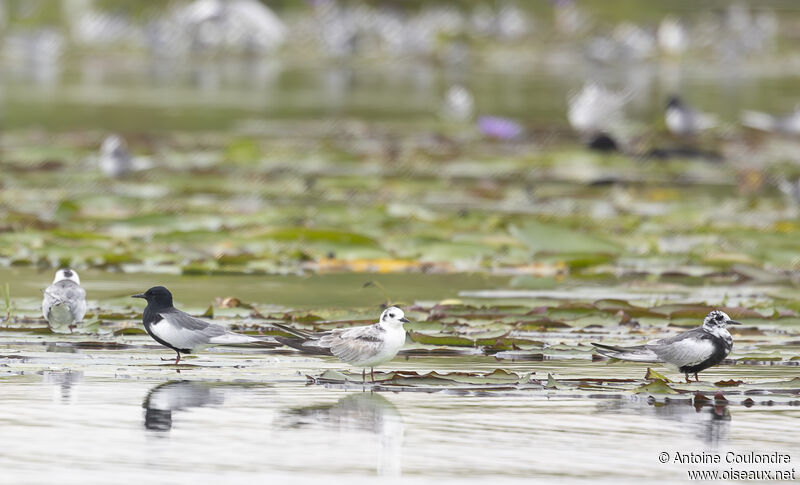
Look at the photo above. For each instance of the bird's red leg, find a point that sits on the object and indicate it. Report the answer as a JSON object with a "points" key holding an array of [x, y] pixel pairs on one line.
{"points": [[696, 379], [178, 359], [687, 378], [372, 373], [363, 375]]}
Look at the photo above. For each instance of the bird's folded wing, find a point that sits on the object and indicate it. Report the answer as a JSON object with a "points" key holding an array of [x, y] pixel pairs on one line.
{"points": [[683, 351], [355, 344], [183, 331], [69, 294], [75, 296]]}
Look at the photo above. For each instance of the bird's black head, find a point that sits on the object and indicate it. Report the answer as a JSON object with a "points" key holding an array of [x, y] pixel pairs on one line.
{"points": [[157, 296], [718, 319], [674, 102]]}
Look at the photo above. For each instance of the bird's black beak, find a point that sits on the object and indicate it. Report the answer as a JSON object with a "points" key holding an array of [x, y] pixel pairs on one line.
{"points": [[140, 295], [405, 320], [733, 322]]}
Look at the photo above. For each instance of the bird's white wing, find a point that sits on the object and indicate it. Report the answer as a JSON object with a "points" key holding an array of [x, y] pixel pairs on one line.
{"points": [[355, 344]]}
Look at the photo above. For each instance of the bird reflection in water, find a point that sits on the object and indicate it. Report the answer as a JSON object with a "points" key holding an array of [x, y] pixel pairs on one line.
{"points": [[171, 396], [709, 419], [366, 412], [65, 382]]}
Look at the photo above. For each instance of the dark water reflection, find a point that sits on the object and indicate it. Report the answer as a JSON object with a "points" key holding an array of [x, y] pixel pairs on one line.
{"points": [[165, 398], [707, 423]]}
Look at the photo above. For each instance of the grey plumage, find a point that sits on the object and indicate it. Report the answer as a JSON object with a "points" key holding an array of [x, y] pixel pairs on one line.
{"points": [[64, 301], [355, 344], [683, 349]]}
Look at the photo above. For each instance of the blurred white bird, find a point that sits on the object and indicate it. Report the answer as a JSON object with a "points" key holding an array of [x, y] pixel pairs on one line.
{"points": [[64, 302], [459, 105], [673, 38], [634, 42], [790, 188], [788, 124], [115, 159], [683, 120], [243, 24], [594, 109]]}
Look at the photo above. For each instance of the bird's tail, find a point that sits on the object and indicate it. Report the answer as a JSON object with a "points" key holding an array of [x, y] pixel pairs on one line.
{"points": [[636, 354], [304, 345], [758, 120], [301, 334]]}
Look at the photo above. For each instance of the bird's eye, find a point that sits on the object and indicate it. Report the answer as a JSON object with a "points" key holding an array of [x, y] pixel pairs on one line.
{"points": [[718, 318], [391, 315]]}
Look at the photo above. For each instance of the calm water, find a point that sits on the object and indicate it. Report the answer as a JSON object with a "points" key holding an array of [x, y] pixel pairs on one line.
{"points": [[152, 95], [123, 415], [311, 291]]}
